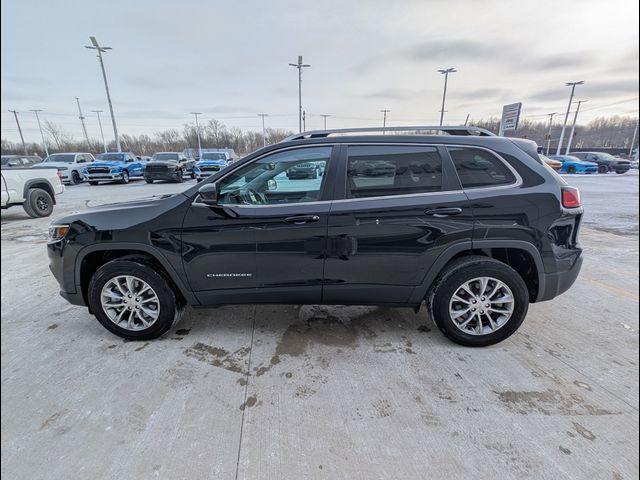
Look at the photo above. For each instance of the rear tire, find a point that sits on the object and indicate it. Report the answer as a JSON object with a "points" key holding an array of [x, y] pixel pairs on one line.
{"points": [[464, 270], [92, 182], [167, 304], [621, 172], [179, 176], [148, 180], [571, 169], [38, 203], [603, 169]]}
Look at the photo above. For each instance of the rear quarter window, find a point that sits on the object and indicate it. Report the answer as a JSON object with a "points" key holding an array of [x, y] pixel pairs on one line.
{"points": [[480, 168]]}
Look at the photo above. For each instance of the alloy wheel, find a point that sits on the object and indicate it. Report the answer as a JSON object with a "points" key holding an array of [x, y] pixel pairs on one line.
{"points": [[130, 302]]}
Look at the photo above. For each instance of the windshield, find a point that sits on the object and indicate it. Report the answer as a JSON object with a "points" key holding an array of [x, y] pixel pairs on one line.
{"points": [[5, 159], [61, 157], [213, 156], [114, 157], [606, 156], [173, 157]]}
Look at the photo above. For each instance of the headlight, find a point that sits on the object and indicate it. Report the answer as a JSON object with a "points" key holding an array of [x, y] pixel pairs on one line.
{"points": [[57, 232]]}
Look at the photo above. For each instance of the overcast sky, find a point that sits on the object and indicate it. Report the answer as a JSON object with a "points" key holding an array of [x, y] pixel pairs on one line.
{"points": [[229, 60]]}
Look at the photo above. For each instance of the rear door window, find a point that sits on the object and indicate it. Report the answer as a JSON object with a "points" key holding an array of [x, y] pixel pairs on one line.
{"points": [[391, 170], [479, 168]]}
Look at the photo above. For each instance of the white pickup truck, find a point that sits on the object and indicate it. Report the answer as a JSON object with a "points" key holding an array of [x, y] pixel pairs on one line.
{"points": [[35, 190]]}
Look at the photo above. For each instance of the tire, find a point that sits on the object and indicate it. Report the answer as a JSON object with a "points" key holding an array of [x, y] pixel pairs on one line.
{"points": [[463, 270], [193, 176], [125, 177], [75, 178], [148, 180], [621, 172], [571, 169], [167, 304], [603, 169], [93, 182], [179, 176], [38, 203]]}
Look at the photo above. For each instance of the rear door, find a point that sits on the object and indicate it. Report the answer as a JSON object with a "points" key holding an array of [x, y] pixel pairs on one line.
{"points": [[402, 205]]}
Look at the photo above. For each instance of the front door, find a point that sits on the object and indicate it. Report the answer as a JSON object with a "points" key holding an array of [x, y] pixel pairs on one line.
{"points": [[265, 240], [402, 206]]}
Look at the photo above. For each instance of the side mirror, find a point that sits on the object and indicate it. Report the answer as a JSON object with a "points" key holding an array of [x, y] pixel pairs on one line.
{"points": [[209, 194]]}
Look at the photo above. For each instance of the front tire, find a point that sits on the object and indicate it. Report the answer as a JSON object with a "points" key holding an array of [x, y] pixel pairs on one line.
{"points": [[132, 299], [179, 176], [571, 169], [75, 178], [125, 177], [38, 203], [148, 180], [479, 301]]}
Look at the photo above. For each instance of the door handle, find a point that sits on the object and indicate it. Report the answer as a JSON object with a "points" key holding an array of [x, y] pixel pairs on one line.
{"points": [[443, 212], [302, 219]]}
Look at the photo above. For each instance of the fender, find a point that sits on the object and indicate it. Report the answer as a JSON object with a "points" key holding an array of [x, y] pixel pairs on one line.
{"points": [[186, 292], [421, 291], [35, 181]]}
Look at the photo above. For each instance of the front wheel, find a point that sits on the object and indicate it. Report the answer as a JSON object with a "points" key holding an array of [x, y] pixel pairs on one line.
{"points": [[148, 180], [125, 177], [620, 172], [571, 169], [179, 176], [75, 178], [479, 301], [93, 182], [132, 299], [603, 169]]}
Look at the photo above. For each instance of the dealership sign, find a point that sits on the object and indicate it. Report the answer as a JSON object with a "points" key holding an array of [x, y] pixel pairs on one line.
{"points": [[510, 117]]}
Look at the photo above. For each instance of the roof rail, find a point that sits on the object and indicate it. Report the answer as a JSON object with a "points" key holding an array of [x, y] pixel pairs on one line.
{"points": [[476, 131]]}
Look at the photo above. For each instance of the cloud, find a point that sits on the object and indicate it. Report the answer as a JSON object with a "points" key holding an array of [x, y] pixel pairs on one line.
{"points": [[595, 89], [453, 49], [395, 94]]}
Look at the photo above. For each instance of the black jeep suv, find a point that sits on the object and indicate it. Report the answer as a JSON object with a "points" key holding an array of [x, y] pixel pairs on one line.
{"points": [[474, 224]]}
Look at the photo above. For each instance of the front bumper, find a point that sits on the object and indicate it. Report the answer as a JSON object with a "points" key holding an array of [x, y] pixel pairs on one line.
{"points": [[103, 176], [170, 175]]}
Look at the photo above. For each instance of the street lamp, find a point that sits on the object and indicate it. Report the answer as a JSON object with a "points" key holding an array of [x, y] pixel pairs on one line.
{"points": [[198, 133], [551, 115], [104, 144], [299, 66], [446, 73], [100, 51], [566, 117], [384, 119], [264, 136], [44, 142], [24, 145], [573, 127]]}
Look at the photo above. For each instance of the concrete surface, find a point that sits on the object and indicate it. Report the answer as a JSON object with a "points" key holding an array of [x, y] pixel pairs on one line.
{"points": [[285, 392]]}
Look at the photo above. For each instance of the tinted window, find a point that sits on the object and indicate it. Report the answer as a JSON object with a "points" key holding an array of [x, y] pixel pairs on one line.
{"points": [[111, 157], [165, 157], [479, 168], [292, 176], [378, 171], [61, 157], [213, 156]]}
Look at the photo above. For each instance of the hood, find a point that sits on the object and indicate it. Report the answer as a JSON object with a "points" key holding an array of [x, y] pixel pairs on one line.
{"points": [[165, 163], [104, 164], [220, 163]]}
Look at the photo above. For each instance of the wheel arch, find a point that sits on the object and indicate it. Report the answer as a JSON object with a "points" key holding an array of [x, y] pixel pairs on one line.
{"points": [[92, 257], [39, 183], [522, 256]]}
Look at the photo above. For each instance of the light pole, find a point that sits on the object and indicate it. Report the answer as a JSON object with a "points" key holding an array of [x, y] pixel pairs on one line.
{"points": [[264, 136], [44, 142], [104, 144], [446, 73], [195, 114], [573, 127], [551, 115], [100, 51], [384, 119], [84, 127], [299, 66], [566, 117], [24, 146], [324, 118], [633, 140]]}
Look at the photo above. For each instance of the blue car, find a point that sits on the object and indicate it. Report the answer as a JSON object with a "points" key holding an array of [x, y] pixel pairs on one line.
{"points": [[210, 163], [114, 167], [571, 164]]}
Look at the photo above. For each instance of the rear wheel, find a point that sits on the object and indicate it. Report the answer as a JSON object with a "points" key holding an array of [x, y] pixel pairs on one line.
{"points": [[93, 182], [603, 169], [620, 172], [571, 169], [125, 177], [132, 299], [148, 180], [479, 301], [38, 203], [179, 176]]}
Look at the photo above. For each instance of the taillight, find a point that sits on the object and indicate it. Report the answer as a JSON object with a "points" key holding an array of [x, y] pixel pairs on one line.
{"points": [[59, 174], [571, 197]]}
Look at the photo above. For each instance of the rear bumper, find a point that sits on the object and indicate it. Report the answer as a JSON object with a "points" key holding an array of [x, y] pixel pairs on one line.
{"points": [[557, 283]]}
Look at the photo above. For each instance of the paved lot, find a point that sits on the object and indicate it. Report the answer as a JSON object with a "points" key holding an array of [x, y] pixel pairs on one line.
{"points": [[286, 392]]}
